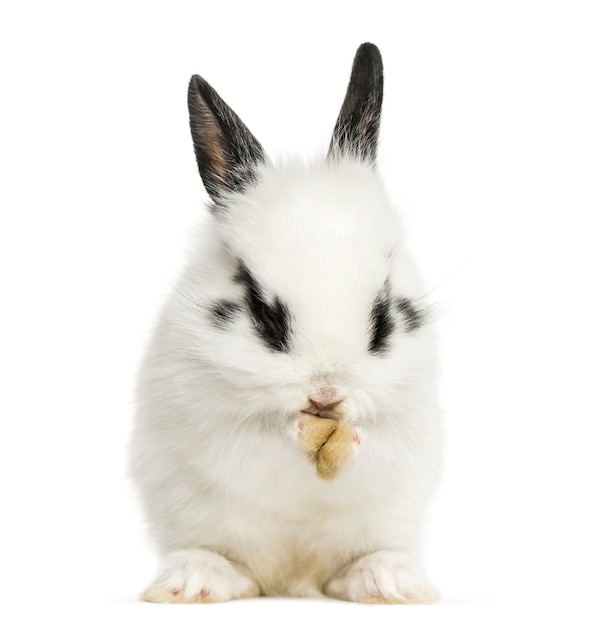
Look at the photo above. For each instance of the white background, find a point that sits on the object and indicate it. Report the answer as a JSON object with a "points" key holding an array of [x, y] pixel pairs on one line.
{"points": [[489, 145]]}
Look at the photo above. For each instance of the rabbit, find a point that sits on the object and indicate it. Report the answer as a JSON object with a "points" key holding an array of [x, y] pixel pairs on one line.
{"points": [[300, 301]]}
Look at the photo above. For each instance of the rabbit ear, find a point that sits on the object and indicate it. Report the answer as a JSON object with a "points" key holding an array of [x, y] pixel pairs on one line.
{"points": [[226, 152], [357, 127]]}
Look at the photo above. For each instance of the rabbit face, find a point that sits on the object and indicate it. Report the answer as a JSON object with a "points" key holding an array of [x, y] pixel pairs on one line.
{"points": [[309, 298], [324, 281]]}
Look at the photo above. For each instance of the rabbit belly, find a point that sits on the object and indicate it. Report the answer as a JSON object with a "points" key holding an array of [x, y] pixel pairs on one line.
{"points": [[287, 529]]}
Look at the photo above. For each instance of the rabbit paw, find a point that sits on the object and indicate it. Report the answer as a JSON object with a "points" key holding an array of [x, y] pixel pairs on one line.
{"points": [[382, 578], [328, 442], [199, 576]]}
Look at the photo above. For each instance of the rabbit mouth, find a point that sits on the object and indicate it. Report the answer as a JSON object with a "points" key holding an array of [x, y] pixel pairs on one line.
{"points": [[327, 413]]}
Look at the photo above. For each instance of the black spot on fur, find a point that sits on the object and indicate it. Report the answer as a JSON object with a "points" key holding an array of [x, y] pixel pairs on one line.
{"points": [[271, 320], [384, 319], [223, 311], [382, 324], [413, 318]]}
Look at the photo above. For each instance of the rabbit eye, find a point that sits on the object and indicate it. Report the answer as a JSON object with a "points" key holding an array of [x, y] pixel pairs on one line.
{"points": [[386, 313], [271, 321], [381, 324]]}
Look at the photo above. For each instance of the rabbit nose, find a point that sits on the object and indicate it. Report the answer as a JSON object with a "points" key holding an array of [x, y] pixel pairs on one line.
{"points": [[324, 400]]}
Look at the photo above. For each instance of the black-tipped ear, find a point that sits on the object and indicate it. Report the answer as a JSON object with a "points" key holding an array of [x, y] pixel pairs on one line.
{"points": [[357, 128], [226, 152]]}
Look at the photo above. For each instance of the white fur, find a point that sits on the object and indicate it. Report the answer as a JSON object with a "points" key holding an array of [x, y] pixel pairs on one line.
{"points": [[214, 451]]}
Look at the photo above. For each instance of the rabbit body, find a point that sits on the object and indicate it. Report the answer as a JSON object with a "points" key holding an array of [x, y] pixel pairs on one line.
{"points": [[299, 300]]}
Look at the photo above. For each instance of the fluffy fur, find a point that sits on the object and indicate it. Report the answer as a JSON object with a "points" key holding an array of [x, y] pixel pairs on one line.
{"points": [[232, 499]]}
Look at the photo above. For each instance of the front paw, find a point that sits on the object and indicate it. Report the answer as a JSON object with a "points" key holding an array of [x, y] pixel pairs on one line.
{"points": [[329, 443], [199, 576], [382, 578]]}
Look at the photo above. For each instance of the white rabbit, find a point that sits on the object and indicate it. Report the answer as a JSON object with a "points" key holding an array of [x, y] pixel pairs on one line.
{"points": [[299, 300]]}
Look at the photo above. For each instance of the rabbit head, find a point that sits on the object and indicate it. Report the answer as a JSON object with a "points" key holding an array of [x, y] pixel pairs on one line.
{"points": [[301, 294]]}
